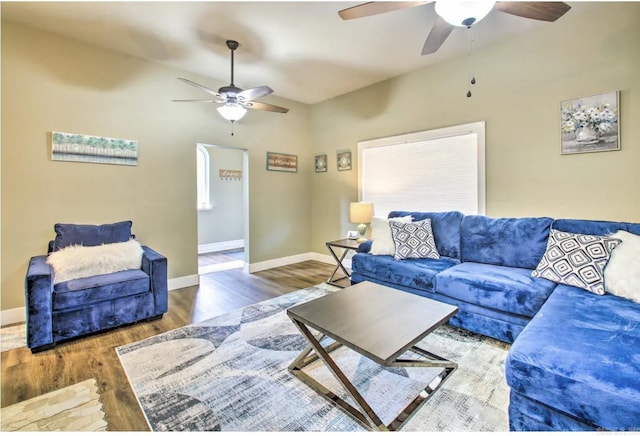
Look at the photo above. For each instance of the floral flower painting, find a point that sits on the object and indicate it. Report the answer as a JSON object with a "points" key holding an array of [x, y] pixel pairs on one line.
{"points": [[590, 124]]}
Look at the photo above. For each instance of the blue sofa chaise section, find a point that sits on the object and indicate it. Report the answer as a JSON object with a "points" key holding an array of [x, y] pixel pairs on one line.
{"points": [[574, 362], [576, 366], [78, 307]]}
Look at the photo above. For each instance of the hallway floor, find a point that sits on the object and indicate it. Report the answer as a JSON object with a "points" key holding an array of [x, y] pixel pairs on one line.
{"points": [[220, 261]]}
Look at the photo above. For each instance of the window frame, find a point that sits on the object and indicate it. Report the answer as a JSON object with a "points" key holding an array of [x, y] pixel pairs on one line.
{"points": [[201, 150]]}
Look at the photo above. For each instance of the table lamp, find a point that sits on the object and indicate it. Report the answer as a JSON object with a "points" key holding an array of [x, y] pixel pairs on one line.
{"points": [[361, 213]]}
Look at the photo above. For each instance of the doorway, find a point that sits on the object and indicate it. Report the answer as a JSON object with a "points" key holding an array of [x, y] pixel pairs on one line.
{"points": [[223, 208]]}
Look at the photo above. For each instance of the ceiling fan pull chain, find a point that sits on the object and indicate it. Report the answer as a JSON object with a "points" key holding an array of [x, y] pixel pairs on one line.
{"points": [[469, 62], [473, 59]]}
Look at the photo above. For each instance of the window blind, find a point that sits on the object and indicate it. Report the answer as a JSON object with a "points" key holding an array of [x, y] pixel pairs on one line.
{"points": [[434, 175]]}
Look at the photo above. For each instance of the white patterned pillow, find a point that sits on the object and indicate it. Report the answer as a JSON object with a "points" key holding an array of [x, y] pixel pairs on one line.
{"points": [[413, 240], [622, 273], [576, 260], [381, 234]]}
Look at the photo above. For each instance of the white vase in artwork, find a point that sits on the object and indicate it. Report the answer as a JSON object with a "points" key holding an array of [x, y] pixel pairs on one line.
{"points": [[587, 135]]}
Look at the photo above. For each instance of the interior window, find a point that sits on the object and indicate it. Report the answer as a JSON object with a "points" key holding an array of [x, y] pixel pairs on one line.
{"points": [[203, 172]]}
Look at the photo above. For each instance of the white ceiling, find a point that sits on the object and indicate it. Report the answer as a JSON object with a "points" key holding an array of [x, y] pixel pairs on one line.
{"points": [[303, 50]]}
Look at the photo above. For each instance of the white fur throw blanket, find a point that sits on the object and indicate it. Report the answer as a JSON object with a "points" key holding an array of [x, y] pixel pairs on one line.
{"points": [[622, 273], [76, 261]]}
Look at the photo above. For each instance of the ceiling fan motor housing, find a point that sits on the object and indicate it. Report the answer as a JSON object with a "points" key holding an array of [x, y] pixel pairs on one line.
{"points": [[229, 90]]}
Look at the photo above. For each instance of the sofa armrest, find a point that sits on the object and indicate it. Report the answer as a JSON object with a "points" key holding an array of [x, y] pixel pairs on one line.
{"points": [[39, 299], [365, 247], [155, 265]]}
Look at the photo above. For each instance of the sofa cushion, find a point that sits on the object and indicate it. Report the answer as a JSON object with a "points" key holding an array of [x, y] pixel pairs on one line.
{"points": [[89, 290], [445, 226], [412, 273], [577, 260], [622, 274], [76, 261], [592, 227], [413, 240], [382, 240], [515, 242], [90, 235], [503, 288], [581, 355]]}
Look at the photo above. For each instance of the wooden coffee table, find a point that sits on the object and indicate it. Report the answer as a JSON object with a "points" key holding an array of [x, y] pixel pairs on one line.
{"points": [[378, 322]]}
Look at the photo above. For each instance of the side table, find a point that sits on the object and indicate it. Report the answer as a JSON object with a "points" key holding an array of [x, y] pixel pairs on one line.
{"points": [[346, 245]]}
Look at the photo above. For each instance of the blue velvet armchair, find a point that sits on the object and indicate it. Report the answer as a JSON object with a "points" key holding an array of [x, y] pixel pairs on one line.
{"points": [[61, 311]]}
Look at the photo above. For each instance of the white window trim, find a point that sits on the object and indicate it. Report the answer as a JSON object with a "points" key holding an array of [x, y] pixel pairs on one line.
{"points": [[446, 132], [201, 149]]}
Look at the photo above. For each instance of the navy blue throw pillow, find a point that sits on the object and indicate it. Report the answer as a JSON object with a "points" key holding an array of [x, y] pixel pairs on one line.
{"points": [[90, 235]]}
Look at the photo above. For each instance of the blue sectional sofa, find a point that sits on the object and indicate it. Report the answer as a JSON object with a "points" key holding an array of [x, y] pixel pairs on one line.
{"points": [[574, 362]]}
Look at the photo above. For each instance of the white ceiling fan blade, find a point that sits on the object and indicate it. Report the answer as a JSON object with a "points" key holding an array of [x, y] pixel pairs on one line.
{"points": [[198, 101], [197, 85]]}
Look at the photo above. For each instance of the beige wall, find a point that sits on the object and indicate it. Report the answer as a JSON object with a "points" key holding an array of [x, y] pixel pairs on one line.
{"points": [[51, 83], [520, 85]]}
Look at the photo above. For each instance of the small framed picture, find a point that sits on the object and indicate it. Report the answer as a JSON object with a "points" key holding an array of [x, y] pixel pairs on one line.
{"points": [[344, 160], [352, 234], [282, 162], [590, 124], [321, 163]]}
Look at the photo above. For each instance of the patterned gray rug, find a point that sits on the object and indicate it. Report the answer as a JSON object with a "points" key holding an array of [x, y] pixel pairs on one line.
{"points": [[229, 373]]}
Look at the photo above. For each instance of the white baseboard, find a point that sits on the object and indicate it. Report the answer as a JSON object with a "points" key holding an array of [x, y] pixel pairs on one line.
{"points": [[19, 314], [297, 258], [13, 316], [220, 246], [183, 282], [326, 258]]}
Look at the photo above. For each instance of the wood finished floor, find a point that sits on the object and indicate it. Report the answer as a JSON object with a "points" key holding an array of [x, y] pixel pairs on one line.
{"points": [[26, 375], [220, 257]]}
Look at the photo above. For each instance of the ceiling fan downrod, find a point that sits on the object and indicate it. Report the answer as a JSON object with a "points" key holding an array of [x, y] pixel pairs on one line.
{"points": [[233, 45]]}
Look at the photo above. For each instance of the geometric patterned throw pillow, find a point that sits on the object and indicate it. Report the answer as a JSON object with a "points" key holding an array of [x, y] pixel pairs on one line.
{"points": [[577, 260], [413, 240]]}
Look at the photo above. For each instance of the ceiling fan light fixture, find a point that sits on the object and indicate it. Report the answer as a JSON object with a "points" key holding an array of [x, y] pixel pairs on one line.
{"points": [[463, 13], [232, 111]]}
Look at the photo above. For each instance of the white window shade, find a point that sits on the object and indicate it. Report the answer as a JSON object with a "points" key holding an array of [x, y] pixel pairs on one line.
{"points": [[426, 172]]}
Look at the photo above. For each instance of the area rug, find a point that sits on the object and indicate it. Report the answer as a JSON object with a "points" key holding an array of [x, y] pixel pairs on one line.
{"points": [[229, 373], [13, 337], [73, 408]]}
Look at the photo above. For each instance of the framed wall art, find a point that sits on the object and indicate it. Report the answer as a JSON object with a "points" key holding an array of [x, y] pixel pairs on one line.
{"points": [[321, 163], [344, 160], [75, 147], [282, 162], [590, 124]]}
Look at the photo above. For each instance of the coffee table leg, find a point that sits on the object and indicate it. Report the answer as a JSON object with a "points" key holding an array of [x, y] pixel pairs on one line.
{"points": [[369, 418]]}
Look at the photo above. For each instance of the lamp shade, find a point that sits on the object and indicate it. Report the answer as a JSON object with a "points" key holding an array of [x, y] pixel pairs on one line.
{"points": [[360, 213], [232, 111], [463, 13]]}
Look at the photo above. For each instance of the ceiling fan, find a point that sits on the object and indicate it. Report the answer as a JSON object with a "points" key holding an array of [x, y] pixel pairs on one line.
{"points": [[452, 13], [236, 99]]}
